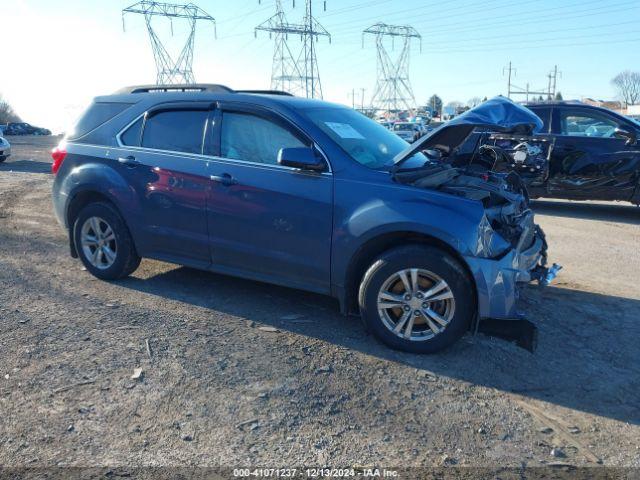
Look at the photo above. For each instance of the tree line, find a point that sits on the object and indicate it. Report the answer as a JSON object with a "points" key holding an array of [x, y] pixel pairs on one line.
{"points": [[7, 114]]}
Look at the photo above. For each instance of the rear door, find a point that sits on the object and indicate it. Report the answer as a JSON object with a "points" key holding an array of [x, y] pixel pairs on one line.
{"points": [[267, 221], [588, 160], [162, 159]]}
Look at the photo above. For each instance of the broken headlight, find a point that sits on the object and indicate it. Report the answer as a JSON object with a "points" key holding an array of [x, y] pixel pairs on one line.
{"points": [[490, 243]]}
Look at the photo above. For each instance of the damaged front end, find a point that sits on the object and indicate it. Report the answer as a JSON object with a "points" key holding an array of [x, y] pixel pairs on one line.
{"points": [[509, 248]]}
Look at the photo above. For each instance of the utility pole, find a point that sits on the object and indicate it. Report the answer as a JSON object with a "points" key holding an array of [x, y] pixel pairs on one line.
{"points": [[512, 89], [352, 94], [509, 79], [393, 90], [553, 82], [170, 71]]}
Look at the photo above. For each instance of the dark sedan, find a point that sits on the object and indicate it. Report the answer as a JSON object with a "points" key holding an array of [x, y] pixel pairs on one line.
{"points": [[594, 155]]}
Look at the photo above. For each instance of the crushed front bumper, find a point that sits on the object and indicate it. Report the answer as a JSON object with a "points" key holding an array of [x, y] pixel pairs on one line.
{"points": [[497, 279]]}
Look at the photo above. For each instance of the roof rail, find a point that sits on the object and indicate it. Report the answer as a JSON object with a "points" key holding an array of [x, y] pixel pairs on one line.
{"points": [[266, 92], [195, 87]]}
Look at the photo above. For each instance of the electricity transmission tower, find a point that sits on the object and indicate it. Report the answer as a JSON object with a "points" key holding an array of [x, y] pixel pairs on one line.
{"points": [[301, 75], [285, 72], [171, 71], [308, 59], [393, 90]]}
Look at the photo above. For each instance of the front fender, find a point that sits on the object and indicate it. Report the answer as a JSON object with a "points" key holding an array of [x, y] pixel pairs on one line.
{"points": [[451, 220]]}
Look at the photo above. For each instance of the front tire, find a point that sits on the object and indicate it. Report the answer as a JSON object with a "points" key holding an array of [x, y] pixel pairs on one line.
{"points": [[417, 299], [103, 242]]}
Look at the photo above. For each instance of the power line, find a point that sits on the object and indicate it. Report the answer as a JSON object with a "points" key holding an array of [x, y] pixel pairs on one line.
{"points": [[481, 24], [518, 20]]}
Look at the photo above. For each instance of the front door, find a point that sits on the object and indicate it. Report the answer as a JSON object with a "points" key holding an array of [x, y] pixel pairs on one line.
{"points": [[162, 159], [267, 221], [588, 160]]}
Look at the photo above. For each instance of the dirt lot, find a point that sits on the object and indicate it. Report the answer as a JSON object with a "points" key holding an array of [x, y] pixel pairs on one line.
{"points": [[243, 373]]}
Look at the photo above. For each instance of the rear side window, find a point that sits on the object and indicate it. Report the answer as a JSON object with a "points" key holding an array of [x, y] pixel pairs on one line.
{"points": [[175, 130], [97, 114], [254, 139]]}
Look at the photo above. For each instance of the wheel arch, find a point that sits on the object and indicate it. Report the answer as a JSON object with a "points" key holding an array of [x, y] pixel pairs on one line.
{"points": [[77, 201], [362, 259]]}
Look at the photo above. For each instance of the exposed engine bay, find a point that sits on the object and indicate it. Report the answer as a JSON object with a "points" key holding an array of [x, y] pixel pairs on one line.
{"points": [[528, 156], [490, 155], [503, 195]]}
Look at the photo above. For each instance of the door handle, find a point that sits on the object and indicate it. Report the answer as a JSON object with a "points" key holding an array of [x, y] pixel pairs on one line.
{"points": [[224, 179], [129, 161]]}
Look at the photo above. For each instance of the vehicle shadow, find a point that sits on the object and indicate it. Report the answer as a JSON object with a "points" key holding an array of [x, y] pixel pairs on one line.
{"points": [[25, 166], [590, 211], [586, 360]]}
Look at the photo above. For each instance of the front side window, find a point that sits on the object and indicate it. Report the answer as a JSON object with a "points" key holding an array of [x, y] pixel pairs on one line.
{"points": [[587, 125], [175, 130], [254, 139], [363, 139]]}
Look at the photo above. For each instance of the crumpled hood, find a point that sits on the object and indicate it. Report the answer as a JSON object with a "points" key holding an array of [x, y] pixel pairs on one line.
{"points": [[498, 114]]}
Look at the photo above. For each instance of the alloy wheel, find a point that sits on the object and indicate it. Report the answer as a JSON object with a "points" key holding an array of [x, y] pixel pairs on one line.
{"points": [[416, 304], [98, 242]]}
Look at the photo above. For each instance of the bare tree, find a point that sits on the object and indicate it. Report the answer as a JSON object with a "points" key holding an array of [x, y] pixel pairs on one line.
{"points": [[627, 84], [6, 112], [474, 102]]}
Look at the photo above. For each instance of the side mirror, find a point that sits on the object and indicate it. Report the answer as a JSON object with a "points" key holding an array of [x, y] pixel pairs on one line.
{"points": [[304, 158], [630, 137]]}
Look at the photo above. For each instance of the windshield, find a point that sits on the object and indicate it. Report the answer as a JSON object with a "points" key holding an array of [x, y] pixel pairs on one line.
{"points": [[365, 140]]}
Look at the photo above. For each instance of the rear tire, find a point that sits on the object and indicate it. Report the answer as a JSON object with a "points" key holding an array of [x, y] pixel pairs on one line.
{"points": [[103, 242], [420, 290]]}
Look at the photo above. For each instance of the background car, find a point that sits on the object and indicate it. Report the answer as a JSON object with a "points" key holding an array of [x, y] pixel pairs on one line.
{"points": [[433, 126], [5, 149], [23, 128], [408, 131]]}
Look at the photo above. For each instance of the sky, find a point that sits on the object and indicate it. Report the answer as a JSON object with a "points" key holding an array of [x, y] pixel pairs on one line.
{"points": [[57, 55]]}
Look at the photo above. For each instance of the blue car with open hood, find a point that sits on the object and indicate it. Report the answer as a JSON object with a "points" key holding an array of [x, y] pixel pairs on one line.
{"points": [[306, 194]]}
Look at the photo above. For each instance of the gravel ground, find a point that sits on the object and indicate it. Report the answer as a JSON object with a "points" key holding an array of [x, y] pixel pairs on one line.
{"points": [[243, 373]]}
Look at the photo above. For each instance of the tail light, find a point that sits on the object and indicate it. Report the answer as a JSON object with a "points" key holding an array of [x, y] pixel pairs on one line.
{"points": [[58, 154]]}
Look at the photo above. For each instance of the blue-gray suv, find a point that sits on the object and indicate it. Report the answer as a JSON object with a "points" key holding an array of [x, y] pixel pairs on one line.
{"points": [[306, 194]]}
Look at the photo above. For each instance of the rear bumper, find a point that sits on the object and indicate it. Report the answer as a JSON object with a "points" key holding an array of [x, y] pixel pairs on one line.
{"points": [[497, 279]]}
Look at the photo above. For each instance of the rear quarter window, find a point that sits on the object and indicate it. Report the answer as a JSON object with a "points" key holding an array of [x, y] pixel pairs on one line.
{"points": [[131, 136], [97, 114]]}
